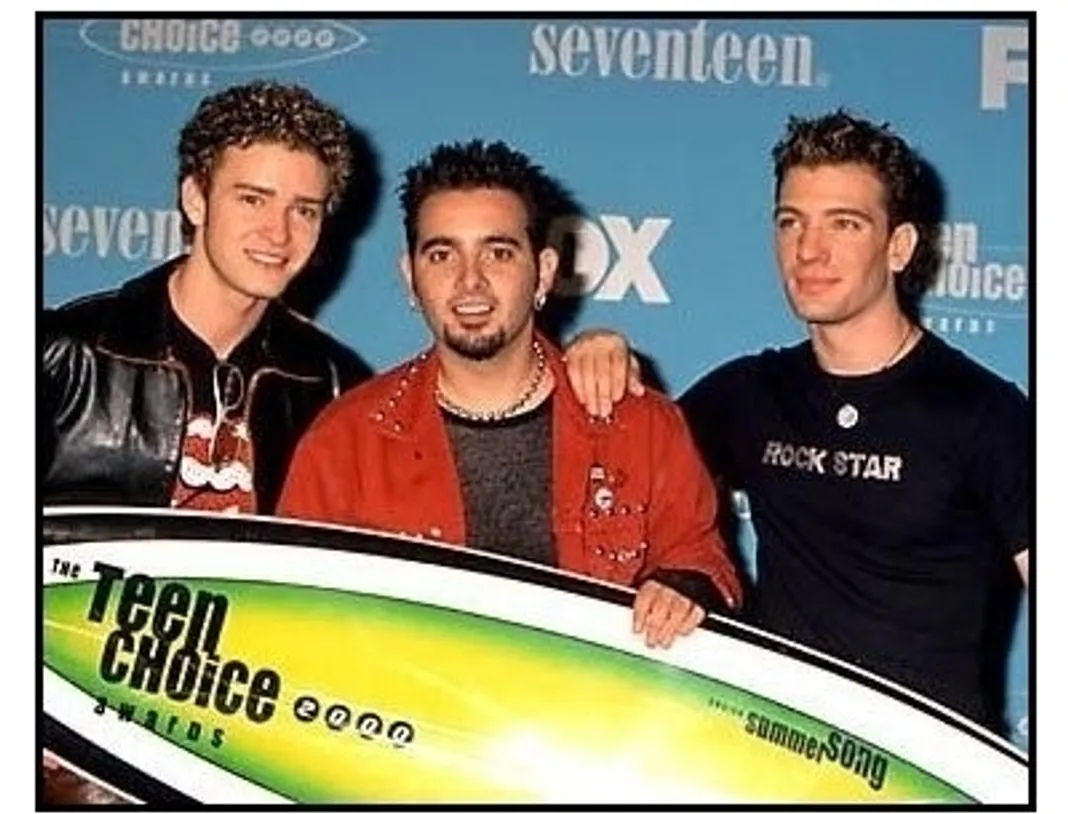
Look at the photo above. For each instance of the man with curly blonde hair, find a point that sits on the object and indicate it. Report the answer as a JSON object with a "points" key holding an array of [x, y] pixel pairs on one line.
{"points": [[190, 385]]}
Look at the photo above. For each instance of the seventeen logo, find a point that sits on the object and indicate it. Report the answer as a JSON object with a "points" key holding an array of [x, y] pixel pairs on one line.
{"points": [[698, 54], [132, 233]]}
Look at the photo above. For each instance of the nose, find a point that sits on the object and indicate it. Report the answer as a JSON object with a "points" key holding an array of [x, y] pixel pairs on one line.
{"points": [[276, 224], [471, 276], [810, 244]]}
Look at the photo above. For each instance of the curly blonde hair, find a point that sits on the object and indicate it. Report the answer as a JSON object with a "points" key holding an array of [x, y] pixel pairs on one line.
{"points": [[265, 112]]}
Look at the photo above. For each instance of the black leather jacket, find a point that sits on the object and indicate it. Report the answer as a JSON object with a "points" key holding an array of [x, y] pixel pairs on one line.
{"points": [[112, 413]]}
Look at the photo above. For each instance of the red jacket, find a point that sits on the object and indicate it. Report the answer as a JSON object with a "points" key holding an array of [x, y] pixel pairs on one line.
{"points": [[630, 495]]}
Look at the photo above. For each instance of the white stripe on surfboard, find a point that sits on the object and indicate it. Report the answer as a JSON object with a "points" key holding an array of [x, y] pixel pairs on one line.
{"points": [[149, 752]]}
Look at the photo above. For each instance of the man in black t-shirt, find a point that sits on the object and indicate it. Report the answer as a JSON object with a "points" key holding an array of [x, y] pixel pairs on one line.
{"points": [[888, 475], [883, 503]]}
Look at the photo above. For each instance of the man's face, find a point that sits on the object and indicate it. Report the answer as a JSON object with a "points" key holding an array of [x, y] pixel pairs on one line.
{"points": [[258, 223], [474, 272], [835, 252]]}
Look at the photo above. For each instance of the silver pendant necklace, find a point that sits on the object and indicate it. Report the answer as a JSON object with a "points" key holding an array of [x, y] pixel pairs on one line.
{"points": [[848, 415]]}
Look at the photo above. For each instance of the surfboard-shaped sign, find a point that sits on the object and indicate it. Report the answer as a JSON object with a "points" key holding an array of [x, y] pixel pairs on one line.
{"points": [[194, 657]]}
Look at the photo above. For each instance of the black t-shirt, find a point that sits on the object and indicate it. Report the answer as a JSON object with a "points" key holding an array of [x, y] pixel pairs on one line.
{"points": [[215, 467], [880, 525], [202, 364]]}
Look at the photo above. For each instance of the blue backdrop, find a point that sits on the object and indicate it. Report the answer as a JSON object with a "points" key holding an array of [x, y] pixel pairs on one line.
{"points": [[660, 128]]}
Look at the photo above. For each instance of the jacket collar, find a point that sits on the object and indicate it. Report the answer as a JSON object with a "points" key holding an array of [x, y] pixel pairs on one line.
{"points": [[137, 326]]}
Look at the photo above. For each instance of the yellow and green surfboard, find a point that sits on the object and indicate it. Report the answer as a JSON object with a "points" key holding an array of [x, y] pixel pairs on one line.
{"points": [[192, 657]]}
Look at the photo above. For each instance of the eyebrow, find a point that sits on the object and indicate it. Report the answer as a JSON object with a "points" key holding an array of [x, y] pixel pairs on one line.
{"points": [[435, 242], [833, 211], [268, 192], [508, 239], [448, 242]]}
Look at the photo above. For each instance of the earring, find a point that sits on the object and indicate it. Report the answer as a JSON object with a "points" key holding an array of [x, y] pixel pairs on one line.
{"points": [[539, 301], [412, 303]]}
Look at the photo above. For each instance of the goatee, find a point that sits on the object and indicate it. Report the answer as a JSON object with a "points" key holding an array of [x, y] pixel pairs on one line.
{"points": [[476, 348]]}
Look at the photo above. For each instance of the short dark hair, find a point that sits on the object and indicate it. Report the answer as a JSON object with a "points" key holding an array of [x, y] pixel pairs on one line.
{"points": [[842, 138], [264, 112], [476, 165]]}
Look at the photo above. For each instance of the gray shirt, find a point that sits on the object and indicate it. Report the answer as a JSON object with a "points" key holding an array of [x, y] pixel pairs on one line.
{"points": [[505, 470]]}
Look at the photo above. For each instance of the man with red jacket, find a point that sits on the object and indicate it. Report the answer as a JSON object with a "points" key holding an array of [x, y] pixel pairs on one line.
{"points": [[480, 441]]}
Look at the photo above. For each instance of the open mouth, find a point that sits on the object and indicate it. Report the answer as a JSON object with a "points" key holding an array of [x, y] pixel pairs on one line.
{"points": [[472, 312], [473, 308], [267, 259]]}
